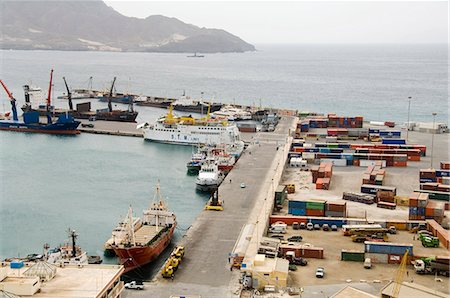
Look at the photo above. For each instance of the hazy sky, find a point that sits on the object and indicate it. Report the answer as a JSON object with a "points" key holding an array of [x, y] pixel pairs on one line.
{"points": [[308, 21]]}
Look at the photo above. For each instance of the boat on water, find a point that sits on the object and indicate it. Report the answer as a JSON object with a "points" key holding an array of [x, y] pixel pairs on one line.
{"points": [[209, 177], [231, 113], [120, 233], [81, 93], [188, 130], [155, 102], [195, 56], [67, 254], [225, 161], [145, 244], [194, 165], [186, 104], [64, 125]]}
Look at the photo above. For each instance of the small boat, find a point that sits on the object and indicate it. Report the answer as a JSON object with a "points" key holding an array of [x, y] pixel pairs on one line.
{"points": [[231, 113], [195, 56], [145, 244], [209, 177], [67, 254]]}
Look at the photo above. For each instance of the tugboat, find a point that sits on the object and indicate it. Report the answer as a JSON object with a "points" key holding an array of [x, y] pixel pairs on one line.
{"points": [[65, 125], [145, 244], [67, 254]]}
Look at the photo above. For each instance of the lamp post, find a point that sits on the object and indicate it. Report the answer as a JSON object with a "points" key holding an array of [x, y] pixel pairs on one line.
{"points": [[407, 123], [432, 139]]}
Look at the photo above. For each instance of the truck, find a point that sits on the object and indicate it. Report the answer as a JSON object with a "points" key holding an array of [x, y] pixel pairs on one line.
{"points": [[278, 228], [293, 260], [430, 241], [136, 285], [430, 266]]}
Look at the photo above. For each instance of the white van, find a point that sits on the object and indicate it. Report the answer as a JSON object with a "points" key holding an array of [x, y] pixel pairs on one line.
{"points": [[278, 228], [367, 263]]}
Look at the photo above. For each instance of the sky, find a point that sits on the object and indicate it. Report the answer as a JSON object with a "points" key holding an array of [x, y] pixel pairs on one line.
{"points": [[307, 21]]}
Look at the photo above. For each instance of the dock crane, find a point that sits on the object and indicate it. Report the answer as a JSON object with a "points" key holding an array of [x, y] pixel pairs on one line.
{"points": [[69, 94], [49, 117], [400, 275], [110, 95], [12, 100]]}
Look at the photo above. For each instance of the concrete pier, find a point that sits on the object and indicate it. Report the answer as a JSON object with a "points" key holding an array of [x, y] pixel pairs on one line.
{"points": [[205, 270], [111, 128]]}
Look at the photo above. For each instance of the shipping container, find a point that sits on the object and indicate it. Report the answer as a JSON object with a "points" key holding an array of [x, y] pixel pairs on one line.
{"points": [[302, 251], [352, 255], [372, 189], [377, 258], [387, 248]]}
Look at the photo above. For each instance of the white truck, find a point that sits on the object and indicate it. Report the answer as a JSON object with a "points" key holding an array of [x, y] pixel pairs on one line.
{"points": [[136, 285], [431, 267]]}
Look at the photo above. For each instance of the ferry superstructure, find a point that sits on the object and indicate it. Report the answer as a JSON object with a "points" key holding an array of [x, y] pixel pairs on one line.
{"points": [[189, 130]]}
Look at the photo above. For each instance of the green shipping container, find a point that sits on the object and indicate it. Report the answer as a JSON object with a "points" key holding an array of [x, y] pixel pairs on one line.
{"points": [[280, 194], [315, 205], [352, 255]]}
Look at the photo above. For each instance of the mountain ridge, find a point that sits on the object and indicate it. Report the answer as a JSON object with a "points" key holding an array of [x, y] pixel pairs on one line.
{"points": [[94, 26]]}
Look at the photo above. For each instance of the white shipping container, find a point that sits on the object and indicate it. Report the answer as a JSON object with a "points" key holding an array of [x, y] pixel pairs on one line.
{"points": [[307, 145], [377, 258], [366, 163], [377, 123], [309, 155], [446, 180], [335, 162]]}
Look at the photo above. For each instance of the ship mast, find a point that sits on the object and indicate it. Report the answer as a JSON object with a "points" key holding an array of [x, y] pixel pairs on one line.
{"points": [[131, 226], [73, 235]]}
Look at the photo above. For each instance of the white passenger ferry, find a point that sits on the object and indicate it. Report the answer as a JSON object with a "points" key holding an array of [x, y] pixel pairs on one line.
{"points": [[189, 130]]}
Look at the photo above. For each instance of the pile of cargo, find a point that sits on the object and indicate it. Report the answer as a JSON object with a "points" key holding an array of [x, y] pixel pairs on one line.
{"points": [[307, 207], [384, 252], [441, 176], [322, 175], [374, 175], [358, 197], [345, 122], [417, 204], [317, 208]]}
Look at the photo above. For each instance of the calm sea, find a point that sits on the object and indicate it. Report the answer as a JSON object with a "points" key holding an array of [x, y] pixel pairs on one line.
{"points": [[87, 182]]}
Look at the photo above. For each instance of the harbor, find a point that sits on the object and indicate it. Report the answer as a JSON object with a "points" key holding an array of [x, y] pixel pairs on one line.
{"points": [[275, 213]]}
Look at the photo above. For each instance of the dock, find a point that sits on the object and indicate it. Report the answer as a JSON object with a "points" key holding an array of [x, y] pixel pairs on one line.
{"points": [[205, 270]]}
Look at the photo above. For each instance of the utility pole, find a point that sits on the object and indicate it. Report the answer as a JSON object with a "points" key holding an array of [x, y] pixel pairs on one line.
{"points": [[432, 139], [407, 123]]}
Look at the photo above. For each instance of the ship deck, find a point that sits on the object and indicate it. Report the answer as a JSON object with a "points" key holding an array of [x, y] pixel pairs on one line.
{"points": [[145, 234]]}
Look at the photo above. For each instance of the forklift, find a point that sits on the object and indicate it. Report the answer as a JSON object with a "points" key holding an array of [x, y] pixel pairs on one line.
{"points": [[214, 202]]}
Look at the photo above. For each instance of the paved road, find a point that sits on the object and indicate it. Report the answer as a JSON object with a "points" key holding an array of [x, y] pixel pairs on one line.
{"points": [[205, 270]]}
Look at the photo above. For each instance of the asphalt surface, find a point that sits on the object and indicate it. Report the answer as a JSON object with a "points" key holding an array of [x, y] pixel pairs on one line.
{"points": [[205, 270]]}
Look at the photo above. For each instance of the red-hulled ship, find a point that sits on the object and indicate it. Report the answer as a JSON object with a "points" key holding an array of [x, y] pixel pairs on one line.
{"points": [[145, 244]]}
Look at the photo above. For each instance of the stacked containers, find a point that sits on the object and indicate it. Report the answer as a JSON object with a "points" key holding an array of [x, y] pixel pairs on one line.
{"points": [[373, 189], [374, 175], [417, 205], [336, 209], [382, 252], [434, 210], [323, 175], [427, 175], [336, 132], [445, 165], [435, 187], [412, 154], [297, 207], [345, 122], [315, 208], [385, 196]]}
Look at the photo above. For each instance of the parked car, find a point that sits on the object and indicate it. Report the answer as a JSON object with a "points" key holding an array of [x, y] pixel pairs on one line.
{"points": [[310, 226], [136, 285], [316, 227], [334, 228], [320, 272], [367, 263], [302, 226], [325, 227], [295, 225], [278, 236], [392, 230], [295, 239], [243, 185]]}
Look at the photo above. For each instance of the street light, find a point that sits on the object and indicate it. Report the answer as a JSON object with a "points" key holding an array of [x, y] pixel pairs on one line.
{"points": [[407, 123], [432, 139]]}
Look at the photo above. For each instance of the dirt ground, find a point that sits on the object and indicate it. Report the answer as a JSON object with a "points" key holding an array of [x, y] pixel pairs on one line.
{"points": [[337, 271]]}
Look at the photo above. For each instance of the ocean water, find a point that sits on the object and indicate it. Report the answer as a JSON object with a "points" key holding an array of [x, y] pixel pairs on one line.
{"points": [[373, 81], [87, 182]]}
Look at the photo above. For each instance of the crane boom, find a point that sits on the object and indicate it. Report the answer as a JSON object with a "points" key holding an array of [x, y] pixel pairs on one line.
{"points": [[69, 94], [49, 118], [13, 101], [111, 94]]}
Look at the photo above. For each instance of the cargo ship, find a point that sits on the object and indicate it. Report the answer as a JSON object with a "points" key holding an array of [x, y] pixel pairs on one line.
{"points": [[64, 125], [146, 243], [189, 130], [119, 233]]}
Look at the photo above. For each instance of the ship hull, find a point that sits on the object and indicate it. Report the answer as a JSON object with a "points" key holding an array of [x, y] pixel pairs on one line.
{"points": [[198, 108], [154, 104], [126, 99], [55, 128], [134, 257], [120, 116]]}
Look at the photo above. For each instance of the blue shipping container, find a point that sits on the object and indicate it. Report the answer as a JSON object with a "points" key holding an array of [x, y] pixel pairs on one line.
{"points": [[390, 134], [295, 211], [425, 180], [297, 204], [374, 130], [442, 173], [420, 211], [393, 141], [388, 248], [16, 264], [413, 210]]}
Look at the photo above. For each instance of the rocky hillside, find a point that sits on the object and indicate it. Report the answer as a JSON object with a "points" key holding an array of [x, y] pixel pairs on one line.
{"points": [[94, 26]]}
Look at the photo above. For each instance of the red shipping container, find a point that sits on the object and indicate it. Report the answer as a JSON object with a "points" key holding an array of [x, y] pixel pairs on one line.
{"points": [[314, 212], [287, 219], [445, 165]]}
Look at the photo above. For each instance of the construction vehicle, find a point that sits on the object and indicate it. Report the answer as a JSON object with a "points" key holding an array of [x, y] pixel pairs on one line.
{"points": [[168, 272], [430, 241], [214, 202], [431, 266], [178, 252], [173, 262]]}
